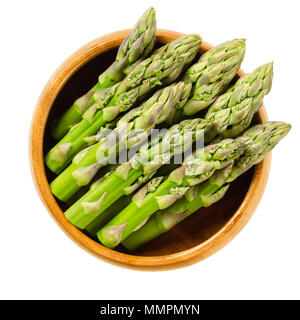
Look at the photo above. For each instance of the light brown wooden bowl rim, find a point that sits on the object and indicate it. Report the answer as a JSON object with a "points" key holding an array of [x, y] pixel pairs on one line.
{"points": [[179, 259]]}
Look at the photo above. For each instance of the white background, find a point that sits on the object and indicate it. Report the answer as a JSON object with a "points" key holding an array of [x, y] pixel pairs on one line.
{"points": [[37, 260]]}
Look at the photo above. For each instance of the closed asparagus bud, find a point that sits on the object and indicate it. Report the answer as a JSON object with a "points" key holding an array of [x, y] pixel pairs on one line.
{"points": [[163, 67], [264, 138], [166, 97], [186, 48], [139, 42], [141, 38], [212, 74], [233, 111], [203, 163]]}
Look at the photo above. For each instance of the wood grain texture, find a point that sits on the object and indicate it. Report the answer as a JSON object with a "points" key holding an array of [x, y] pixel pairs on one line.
{"points": [[196, 238]]}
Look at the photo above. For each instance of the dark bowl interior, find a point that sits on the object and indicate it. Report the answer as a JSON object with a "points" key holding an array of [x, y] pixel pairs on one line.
{"points": [[198, 227]]}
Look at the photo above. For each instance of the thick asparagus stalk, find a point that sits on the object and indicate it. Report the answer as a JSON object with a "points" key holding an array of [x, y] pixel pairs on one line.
{"points": [[195, 169], [161, 68], [264, 138], [212, 74], [139, 43], [138, 170], [133, 129], [233, 111]]}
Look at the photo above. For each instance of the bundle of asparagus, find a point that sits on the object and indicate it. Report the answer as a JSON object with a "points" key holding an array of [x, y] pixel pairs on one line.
{"points": [[117, 116], [233, 117], [66, 184], [161, 68]]}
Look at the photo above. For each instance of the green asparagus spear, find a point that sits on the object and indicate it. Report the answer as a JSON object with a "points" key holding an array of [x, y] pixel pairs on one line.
{"points": [[264, 138], [212, 74], [139, 43], [161, 68], [132, 130], [195, 169], [138, 170], [233, 111]]}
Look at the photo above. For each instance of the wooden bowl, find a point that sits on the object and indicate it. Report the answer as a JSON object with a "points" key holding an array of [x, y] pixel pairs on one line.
{"points": [[194, 239]]}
